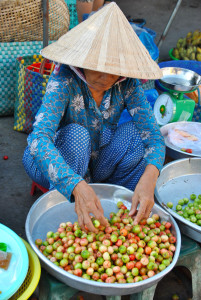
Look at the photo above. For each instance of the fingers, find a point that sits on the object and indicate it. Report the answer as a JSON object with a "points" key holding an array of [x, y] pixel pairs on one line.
{"points": [[147, 212], [99, 214], [140, 215], [134, 206], [88, 223], [80, 220]]}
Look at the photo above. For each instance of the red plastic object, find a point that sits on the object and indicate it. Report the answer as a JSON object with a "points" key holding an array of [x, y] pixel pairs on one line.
{"points": [[35, 67], [35, 186]]}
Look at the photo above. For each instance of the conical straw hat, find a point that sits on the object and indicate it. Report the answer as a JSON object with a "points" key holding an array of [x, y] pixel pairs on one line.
{"points": [[105, 42]]}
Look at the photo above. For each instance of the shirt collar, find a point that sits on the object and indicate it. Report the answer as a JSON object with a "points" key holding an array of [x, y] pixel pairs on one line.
{"points": [[83, 78]]}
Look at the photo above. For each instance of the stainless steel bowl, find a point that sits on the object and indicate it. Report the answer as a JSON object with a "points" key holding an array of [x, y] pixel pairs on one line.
{"points": [[177, 180], [52, 208], [173, 151], [179, 79]]}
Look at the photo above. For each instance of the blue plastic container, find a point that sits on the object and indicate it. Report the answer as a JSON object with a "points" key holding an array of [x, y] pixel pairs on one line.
{"points": [[151, 95]]}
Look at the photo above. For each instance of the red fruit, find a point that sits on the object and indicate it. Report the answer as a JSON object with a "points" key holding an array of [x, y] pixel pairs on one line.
{"points": [[130, 235], [77, 272], [119, 243], [168, 225], [172, 239], [137, 238], [123, 232], [158, 224], [138, 265], [104, 276], [123, 207], [5, 157], [130, 265], [189, 150], [132, 257], [143, 222]]}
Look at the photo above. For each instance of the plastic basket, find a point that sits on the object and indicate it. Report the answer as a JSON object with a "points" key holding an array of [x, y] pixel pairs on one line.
{"points": [[33, 276]]}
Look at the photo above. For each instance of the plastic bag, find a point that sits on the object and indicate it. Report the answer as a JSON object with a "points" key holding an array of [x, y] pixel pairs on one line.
{"points": [[187, 136], [147, 39]]}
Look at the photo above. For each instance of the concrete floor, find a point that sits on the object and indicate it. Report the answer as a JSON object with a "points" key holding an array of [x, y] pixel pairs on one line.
{"points": [[15, 185]]}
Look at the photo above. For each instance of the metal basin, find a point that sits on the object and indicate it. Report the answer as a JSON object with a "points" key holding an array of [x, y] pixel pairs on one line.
{"points": [[179, 79], [52, 208], [177, 180], [173, 151]]}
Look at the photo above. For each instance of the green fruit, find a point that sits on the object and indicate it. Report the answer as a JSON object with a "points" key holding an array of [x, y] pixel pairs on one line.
{"points": [[170, 204], [181, 202], [185, 200], [178, 207], [193, 196]]}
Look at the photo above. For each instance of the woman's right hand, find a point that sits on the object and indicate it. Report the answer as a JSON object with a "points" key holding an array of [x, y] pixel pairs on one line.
{"points": [[86, 202]]}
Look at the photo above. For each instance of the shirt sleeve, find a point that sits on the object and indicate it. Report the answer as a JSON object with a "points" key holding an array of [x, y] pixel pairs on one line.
{"points": [[143, 117], [41, 140]]}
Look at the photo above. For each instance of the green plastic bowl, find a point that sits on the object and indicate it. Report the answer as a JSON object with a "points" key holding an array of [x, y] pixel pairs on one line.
{"points": [[171, 55]]}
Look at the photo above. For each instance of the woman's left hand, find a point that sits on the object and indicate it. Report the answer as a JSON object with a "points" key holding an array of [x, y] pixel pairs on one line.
{"points": [[144, 194]]}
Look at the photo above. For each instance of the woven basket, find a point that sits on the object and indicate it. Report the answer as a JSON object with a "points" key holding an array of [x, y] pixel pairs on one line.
{"points": [[30, 89], [22, 20]]}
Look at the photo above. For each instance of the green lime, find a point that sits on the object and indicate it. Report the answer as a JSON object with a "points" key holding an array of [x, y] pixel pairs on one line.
{"points": [[199, 222], [193, 196], [181, 202], [170, 204], [190, 212], [178, 207], [186, 200], [193, 219], [185, 215]]}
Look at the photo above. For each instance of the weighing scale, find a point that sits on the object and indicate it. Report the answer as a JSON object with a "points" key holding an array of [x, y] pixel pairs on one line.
{"points": [[172, 106]]}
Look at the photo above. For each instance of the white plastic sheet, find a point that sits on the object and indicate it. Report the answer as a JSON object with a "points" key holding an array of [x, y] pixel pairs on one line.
{"points": [[187, 136]]}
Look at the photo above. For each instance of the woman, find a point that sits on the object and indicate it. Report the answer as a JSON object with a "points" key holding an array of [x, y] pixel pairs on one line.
{"points": [[87, 6], [76, 137]]}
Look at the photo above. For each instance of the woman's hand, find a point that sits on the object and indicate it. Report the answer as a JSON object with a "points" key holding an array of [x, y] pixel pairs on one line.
{"points": [[144, 194], [87, 202]]}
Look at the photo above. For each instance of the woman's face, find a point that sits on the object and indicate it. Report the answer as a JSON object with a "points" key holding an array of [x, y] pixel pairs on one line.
{"points": [[100, 81]]}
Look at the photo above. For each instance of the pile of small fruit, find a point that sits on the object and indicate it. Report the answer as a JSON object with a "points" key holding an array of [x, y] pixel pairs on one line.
{"points": [[121, 253], [189, 208], [189, 48]]}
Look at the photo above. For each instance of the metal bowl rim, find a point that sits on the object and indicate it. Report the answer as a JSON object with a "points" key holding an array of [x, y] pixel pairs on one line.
{"points": [[169, 210], [155, 278]]}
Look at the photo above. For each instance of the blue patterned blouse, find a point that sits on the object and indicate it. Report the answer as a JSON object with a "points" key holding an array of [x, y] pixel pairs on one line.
{"points": [[69, 100]]}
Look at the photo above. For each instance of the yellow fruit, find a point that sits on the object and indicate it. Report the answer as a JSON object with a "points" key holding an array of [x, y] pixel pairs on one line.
{"points": [[198, 56], [196, 34], [192, 56], [189, 34], [196, 42], [198, 49]]}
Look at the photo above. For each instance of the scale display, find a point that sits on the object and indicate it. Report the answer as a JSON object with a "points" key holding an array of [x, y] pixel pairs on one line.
{"points": [[163, 109]]}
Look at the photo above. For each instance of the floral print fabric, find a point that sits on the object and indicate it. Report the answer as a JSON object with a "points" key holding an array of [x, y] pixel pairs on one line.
{"points": [[69, 100]]}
